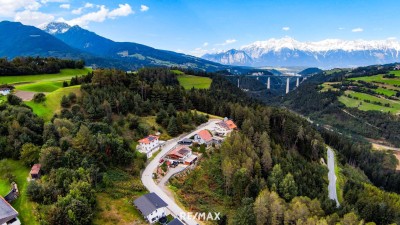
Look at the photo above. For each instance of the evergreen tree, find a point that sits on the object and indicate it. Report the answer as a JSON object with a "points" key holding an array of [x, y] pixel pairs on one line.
{"points": [[288, 187], [172, 127]]}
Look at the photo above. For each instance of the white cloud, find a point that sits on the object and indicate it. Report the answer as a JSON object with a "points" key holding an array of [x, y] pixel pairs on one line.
{"points": [[8, 8], [341, 28], [65, 6], [358, 29], [392, 38], [89, 5], [79, 10], [123, 10], [102, 14], [33, 17], [285, 28], [205, 44], [144, 8], [227, 42], [47, 1]]}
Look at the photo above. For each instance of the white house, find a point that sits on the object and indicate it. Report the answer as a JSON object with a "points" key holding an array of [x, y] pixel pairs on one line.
{"points": [[148, 145], [5, 91], [151, 206], [203, 137], [225, 126], [8, 215]]}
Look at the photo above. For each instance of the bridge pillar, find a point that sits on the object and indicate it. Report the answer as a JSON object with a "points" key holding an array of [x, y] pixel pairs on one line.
{"points": [[287, 85], [297, 82], [269, 83]]}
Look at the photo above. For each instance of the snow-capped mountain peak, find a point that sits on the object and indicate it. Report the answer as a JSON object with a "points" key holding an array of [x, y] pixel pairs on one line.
{"points": [[56, 28], [326, 53]]}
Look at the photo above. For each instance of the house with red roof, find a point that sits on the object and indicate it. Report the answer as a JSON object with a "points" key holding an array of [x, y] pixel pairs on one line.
{"points": [[225, 126], [148, 145], [203, 137], [182, 154]]}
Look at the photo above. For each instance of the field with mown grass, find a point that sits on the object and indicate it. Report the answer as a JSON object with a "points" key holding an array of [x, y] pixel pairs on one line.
{"points": [[190, 81], [26, 209], [52, 104], [46, 86], [65, 74], [365, 106]]}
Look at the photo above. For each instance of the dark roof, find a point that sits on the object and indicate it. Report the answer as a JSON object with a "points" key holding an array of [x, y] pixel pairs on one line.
{"points": [[148, 203], [175, 221], [7, 212]]}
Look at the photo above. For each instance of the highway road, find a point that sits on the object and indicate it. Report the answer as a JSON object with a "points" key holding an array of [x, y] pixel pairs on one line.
{"points": [[147, 174]]}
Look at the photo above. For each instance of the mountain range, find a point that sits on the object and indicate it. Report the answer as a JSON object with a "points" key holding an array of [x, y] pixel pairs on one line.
{"points": [[64, 41], [325, 54]]}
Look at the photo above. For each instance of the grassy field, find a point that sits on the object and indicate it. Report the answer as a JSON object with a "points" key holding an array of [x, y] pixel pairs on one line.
{"points": [[46, 86], [115, 203], [379, 79], [385, 92], [361, 105], [328, 86], [189, 81], [52, 105], [25, 208], [65, 74]]}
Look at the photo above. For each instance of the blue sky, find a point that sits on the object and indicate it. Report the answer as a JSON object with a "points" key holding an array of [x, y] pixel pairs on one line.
{"points": [[199, 26]]}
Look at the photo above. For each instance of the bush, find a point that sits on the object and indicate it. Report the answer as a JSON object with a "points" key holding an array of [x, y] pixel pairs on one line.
{"points": [[39, 97]]}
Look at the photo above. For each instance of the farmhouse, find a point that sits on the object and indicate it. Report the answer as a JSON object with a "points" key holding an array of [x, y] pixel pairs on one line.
{"points": [[180, 153], [203, 137], [8, 215], [148, 144], [151, 206], [35, 171]]}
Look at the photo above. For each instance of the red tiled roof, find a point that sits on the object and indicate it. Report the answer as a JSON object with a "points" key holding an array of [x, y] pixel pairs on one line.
{"points": [[231, 124], [205, 135], [36, 169], [179, 152], [148, 139]]}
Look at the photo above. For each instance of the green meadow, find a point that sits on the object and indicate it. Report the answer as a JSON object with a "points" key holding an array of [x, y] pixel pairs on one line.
{"points": [[46, 86], [52, 104], [361, 105], [65, 74], [378, 79], [190, 81]]}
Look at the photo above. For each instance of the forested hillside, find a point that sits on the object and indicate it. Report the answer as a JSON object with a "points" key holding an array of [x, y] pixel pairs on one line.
{"points": [[270, 172]]}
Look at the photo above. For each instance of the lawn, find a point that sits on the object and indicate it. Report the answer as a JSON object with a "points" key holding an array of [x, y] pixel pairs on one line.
{"points": [[25, 208], [46, 86], [52, 104], [190, 81], [63, 75]]}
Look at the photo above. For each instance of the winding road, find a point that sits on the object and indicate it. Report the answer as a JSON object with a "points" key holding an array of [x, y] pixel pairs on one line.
{"points": [[332, 176], [147, 175]]}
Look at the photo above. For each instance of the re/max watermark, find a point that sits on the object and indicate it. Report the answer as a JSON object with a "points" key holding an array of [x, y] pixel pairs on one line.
{"points": [[202, 216]]}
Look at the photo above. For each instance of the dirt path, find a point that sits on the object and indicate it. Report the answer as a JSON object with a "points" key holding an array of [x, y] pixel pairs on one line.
{"points": [[25, 95]]}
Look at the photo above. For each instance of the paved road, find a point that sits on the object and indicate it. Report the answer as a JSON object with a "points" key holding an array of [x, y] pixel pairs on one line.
{"points": [[149, 183], [332, 176]]}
